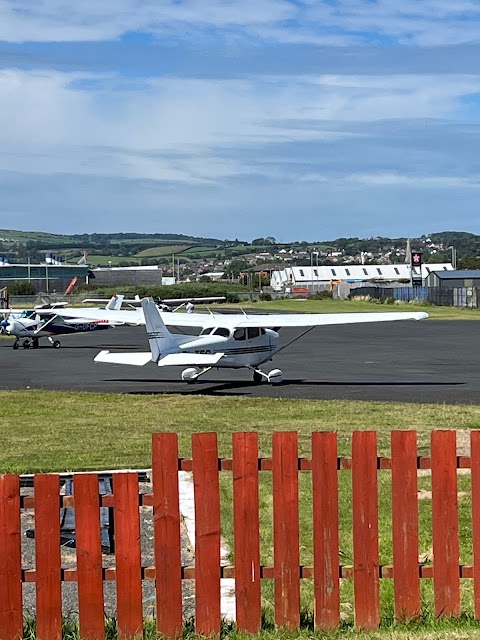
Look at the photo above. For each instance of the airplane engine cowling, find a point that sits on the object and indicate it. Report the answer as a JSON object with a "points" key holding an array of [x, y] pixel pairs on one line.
{"points": [[275, 376]]}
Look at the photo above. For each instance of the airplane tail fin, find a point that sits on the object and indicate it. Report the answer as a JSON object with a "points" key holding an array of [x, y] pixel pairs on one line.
{"points": [[115, 303], [159, 337]]}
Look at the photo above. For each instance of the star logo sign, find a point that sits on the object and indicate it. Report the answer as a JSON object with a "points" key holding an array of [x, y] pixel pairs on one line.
{"points": [[416, 258]]}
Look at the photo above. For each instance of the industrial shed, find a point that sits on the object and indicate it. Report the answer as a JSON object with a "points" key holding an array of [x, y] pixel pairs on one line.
{"points": [[322, 275], [454, 279]]}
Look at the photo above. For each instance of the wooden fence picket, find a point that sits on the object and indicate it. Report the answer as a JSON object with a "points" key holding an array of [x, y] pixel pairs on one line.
{"points": [[207, 533], [247, 531], [48, 575], [446, 576], [286, 542], [11, 606], [475, 488], [325, 530], [88, 546], [406, 582], [366, 571], [128, 556], [166, 522]]}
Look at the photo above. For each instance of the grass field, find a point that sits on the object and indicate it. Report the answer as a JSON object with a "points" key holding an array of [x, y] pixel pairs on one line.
{"points": [[162, 251], [54, 431], [360, 306], [102, 261]]}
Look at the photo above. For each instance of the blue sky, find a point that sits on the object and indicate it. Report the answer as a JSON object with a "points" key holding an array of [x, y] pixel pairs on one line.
{"points": [[303, 119]]}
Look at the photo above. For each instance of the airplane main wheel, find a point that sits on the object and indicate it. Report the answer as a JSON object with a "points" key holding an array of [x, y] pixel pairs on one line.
{"points": [[275, 376], [56, 344], [15, 345], [257, 377], [26, 344], [35, 343]]}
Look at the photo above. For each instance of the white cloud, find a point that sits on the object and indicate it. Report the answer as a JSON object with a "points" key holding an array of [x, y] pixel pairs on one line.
{"points": [[425, 22], [189, 130], [396, 180]]}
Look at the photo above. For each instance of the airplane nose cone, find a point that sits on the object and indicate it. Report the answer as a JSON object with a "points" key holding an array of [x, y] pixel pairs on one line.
{"points": [[4, 323]]}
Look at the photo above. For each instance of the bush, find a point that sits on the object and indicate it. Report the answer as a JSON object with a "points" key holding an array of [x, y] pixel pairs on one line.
{"points": [[22, 288], [321, 295], [265, 297]]}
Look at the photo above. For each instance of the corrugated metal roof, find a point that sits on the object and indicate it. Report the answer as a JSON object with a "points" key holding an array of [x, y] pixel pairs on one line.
{"points": [[459, 274]]}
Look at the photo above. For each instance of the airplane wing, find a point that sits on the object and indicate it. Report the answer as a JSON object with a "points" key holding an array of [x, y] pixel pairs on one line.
{"points": [[322, 319], [173, 360], [136, 359], [136, 317], [190, 359]]}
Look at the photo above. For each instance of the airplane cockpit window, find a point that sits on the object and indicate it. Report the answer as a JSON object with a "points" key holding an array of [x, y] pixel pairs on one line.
{"points": [[206, 332], [239, 334], [253, 332], [221, 331]]}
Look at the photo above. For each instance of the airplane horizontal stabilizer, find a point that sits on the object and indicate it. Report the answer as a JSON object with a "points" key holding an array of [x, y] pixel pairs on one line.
{"points": [[190, 359], [135, 359]]}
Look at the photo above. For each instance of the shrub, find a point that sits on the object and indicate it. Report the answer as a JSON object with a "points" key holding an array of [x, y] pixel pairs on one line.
{"points": [[22, 288]]}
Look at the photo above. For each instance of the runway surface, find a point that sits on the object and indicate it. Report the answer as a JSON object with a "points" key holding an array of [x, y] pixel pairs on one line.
{"points": [[429, 361]]}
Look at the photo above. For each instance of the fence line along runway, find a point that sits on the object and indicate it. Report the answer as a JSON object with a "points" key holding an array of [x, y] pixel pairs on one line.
{"points": [[428, 361]]}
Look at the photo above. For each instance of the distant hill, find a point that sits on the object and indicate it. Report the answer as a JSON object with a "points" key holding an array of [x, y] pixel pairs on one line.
{"points": [[157, 248]]}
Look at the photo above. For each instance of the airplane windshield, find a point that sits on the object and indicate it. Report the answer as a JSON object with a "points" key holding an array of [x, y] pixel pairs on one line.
{"points": [[206, 332], [221, 331]]}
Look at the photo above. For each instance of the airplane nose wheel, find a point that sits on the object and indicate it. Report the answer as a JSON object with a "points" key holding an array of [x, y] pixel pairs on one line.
{"points": [[15, 345]]}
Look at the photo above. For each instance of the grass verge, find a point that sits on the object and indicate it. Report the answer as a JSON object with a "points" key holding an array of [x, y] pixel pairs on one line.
{"points": [[363, 306], [56, 431]]}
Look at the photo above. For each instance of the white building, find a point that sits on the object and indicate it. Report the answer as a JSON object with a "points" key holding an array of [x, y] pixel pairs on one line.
{"points": [[312, 276]]}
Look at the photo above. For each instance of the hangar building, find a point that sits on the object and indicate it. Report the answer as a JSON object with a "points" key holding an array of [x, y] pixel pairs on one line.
{"points": [[454, 279], [313, 276], [46, 277]]}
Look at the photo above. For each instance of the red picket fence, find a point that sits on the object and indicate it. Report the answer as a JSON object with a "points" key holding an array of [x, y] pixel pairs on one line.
{"points": [[248, 572]]}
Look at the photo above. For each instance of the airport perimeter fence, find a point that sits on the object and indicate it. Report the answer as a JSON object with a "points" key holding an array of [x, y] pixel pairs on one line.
{"points": [[444, 297], [284, 468]]}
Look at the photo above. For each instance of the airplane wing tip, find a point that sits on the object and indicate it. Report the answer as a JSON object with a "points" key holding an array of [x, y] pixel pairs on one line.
{"points": [[101, 355]]}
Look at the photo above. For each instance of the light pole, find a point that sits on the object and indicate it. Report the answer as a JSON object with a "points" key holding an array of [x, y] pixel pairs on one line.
{"points": [[316, 272], [454, 256]]}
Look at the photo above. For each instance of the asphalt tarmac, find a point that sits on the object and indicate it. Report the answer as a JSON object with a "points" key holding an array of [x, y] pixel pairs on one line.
{"points": [[428, 361]]}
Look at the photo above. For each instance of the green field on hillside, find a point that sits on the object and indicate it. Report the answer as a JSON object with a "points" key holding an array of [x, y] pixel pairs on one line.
{"points": [[162, 251]]}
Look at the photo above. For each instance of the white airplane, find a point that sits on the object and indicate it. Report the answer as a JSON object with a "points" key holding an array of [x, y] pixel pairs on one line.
{"points": [[46, 321], [231, 341], [164, 304]]}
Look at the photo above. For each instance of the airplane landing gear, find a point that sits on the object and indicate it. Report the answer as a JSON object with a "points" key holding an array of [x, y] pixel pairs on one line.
{"points": [[26, 344], [257, 377], [15, 345], [56, 344], [35, 343], [275, 376], [191, 374]]}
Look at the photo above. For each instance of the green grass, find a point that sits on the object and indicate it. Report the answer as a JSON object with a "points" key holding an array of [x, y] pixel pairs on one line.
{"points": [[463, 629], [163, 250], [56, 431], [103, 261], [356, 306]]}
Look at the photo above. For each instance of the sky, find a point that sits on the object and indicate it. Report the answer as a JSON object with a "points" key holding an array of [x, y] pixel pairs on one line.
{"points": [[297, 119]]}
